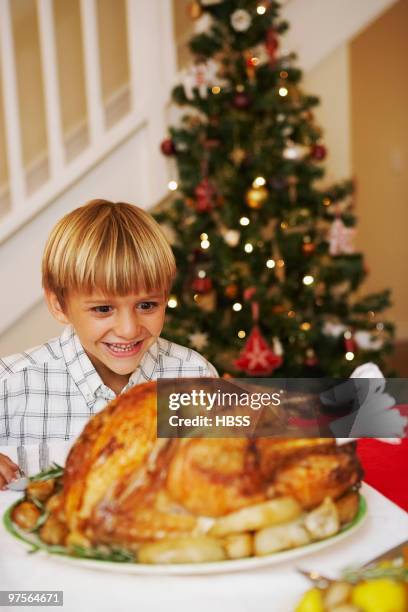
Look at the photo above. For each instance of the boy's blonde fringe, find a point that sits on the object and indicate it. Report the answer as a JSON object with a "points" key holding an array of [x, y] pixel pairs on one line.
{"points": [[113, 248]]}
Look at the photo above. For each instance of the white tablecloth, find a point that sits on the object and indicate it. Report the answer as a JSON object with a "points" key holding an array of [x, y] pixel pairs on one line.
{"points": [[273, 589]]}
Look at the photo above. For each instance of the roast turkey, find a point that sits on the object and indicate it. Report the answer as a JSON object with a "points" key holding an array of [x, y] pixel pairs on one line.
{"points": [[123, 486]]}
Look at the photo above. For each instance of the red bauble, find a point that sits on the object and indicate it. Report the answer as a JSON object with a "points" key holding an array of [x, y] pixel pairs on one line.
{"points": [[308, 248], [319, 152], [311, 359], [257, 358], [241, 101], [271, 44], [167, 147], [205, 193], [211, 143], [202, 285], [350, 345]]}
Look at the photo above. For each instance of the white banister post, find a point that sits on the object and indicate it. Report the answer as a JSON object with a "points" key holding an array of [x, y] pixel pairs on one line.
{"points": [[12, 125], [152, 68], [169, 47], [89, 26], [139, 41], [50, 79]]}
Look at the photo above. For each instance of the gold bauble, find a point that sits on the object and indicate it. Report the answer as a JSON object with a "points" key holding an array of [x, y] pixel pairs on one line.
{"points": [[206, 301], [231, 291], [237, 155], [308, 248], [194, 10], [255, 197]]}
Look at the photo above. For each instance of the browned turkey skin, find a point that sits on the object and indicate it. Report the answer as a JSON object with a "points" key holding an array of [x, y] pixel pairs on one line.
{"points": [[124, 486]]}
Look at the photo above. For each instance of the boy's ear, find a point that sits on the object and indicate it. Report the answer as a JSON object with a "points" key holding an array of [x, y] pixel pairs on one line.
{"points": [[55, 307]]}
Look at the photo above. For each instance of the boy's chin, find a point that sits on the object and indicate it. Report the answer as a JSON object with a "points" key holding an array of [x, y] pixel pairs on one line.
{"points": [[127, 367]]}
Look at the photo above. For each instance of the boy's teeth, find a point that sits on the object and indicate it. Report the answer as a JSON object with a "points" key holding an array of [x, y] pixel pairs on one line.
{"points": [[123, 347]]}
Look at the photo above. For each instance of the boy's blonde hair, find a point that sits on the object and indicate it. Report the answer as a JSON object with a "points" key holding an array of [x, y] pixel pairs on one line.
{"points": [[116, 248]]}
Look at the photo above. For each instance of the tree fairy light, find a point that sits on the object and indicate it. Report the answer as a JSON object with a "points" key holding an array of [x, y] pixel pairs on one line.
{"points": [[248, 248], [308, 280], [205, 244], [172, 302], [349, 356], [283, 91], [244, 221], [237, 306], [259, 182], [270, 263]]}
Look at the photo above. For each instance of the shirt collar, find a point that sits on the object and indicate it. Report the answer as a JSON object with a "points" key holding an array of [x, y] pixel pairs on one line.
{"points": [[147, 368], [79, 365], [87, 378]]}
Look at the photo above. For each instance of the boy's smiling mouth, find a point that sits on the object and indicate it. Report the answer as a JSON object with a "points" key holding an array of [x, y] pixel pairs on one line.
{"points": [[124, 349]]}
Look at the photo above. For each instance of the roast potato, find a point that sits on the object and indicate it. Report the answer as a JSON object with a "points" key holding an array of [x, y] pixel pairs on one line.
{"points": [[53, 531], [280, 537], [182, 550], [323, 521], [26, 515], [238, 545], [55, 506], [252, 518], [41, 489]]}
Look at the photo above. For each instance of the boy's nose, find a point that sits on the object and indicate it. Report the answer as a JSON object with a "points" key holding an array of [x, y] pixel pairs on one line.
{"points": [[127, 326]]}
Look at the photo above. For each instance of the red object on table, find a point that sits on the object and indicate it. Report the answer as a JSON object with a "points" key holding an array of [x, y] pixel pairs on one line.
{"points": [[386, 465]]}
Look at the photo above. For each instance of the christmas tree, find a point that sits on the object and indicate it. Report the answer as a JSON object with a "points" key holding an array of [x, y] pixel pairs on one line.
{"points": [[268, 280]]}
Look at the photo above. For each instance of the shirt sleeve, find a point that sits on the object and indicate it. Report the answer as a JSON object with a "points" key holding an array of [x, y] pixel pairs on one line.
{"points": [[4, 410], [210, 371]]}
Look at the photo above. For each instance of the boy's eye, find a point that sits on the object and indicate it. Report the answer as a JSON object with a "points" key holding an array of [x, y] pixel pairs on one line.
{"points": [[147, 305], [102, 309]]}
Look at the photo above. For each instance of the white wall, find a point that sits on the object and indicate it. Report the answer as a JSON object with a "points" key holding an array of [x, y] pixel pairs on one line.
{"points": [[330, 80], [124, 175]]}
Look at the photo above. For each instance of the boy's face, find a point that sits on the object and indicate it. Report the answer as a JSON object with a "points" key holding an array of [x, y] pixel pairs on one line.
{"points": [[115, 331]]}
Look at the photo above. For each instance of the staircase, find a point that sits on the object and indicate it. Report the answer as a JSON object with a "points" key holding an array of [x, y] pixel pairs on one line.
{"points": [[113, 152]]}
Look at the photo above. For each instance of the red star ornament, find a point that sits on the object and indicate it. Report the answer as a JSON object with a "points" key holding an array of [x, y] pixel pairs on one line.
{"points": [[257, 358]]}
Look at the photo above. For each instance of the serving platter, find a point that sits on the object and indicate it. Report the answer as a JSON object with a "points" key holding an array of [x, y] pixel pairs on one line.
{"points": [[124, 566]]}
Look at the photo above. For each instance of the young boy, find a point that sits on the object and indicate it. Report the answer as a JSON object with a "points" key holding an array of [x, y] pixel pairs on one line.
{"points": [[107, 272]]}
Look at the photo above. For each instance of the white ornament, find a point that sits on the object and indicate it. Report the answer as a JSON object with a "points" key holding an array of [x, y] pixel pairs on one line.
{"points": [[277, 346], [293, 151], [369, 370], [201, 76], [232, 237], [240, 20], [366, 341], [203, 24], [340, 238], [199, 340], [335, 330]]}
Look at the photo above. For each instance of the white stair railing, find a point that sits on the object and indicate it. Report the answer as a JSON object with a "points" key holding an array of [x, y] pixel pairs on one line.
{"points": [[151, 73], [10, 105], [50, 78]]}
